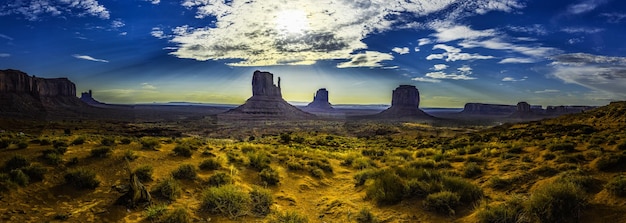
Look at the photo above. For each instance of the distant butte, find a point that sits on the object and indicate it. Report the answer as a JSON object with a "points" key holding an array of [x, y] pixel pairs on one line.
{"points": [[320, 102], [266, 102], [404, 105]]}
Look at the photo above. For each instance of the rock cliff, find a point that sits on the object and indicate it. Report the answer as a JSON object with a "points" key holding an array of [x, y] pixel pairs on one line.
{"points": [[320, 101], [488, 109], [87, 97], [266, 102], [15, 81], [404, 105]]}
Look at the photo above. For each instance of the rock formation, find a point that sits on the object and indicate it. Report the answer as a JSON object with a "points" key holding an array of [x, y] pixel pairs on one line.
{"points": [[14, 81], [266, 102], [488, 109], [320, 101], [567, 109], [87, 97], [523, 107], [404, 105]]}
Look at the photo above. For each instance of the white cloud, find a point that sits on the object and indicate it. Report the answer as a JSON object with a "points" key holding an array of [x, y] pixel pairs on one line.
{"points": [[148, 86], [465, 69], [5, 55], [512, 79], [442, 75], [582, 30], [454, 54], [447, 34], [118, 23], [85, 57], [401, 51], [503, 5], [614, 17], [123, 33], [537, 29], [499, 44], [423, 41], [423, 79], [547, 91], [600, 73], [158, 33], [257, 33], [35, 9], [439, 67], [154, 2], [416, 49], [367, 59], [516, 60], [584, 6], [6, 37]]}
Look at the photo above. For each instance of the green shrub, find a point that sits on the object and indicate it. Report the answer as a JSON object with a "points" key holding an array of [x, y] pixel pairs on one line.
{"points": [[579, 178], [420, 189], [317, 173], [52, 158], [362, 163], [82, 179], [567, 147], [182, 150], [19, 177], [219, 179], [101, 152], [422, 163], [130, 155], [58, 143], [387, 188], [107, 142], [557, 202], [16, 162], [321, 164], [617, 186], [444, 202], [185, 171], [125, 141], [150, 143], [544, 171], [210, 164], [497, 182], [511, 211], [261, 200], [467, 191], [60, 150], [144, 173], [178, 215], [288, 217], [259, 160], [269, 176], [548, 156], [471, 170], [621, 146], [22, 145], [365, 216], [168, 189], [35, 172], [154, 212], [362, 176], [294, 165], [4, 143], [610, 161], [227, 200], [78, 141]]}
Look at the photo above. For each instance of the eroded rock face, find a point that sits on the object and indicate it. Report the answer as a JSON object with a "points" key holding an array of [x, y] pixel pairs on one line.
{"points": [[404, 105], [488, 109], [320, 100], [14, 81], [87, 97], [263, 85], [523, 107]]}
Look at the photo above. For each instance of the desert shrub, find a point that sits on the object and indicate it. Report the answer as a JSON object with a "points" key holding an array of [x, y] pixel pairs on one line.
{"points": [[58, 143], [144, 173], [130, 155], [22, 145], [78, 141], [259, 160], [294, 165], [617, 186], [362, 163], [16, 162], [567, 147], [125, 141], [570, 158], [497, 182], [444, 202], [101, 152], [288, 217], [19, 177], [4, 143], [72, 161], [373, 152], [234, 157], [548, 156], [471, 170], [467, 191], [557, 202], [219, 179], [210, 164], [150, 143], [227, 200], [579, 178], [45, 142], [261, 201], [421, 189], [82, 178], [107, 142], [321, 164], [35, 172], [317, 173], [168, 189], [510, 211], [387, 188], [5, 182], [178, 215], [185, 171], [545, 171], [60, 150], [269, 176], [610, 161], [154, 212], [362, 176], [182, 150], [621, 146], [365, 216], [422, 163], [285, 138], [52, 158]]}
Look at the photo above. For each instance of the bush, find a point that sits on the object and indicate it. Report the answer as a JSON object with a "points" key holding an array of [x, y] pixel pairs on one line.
{"points": [[82, 179], [144, 173], [548, 156], [52, 158], [362, 176], [388, 188], [130, 155], [471, 170], [78, 141], [610, 161], [421, 189], [621, 146], [4, 143], [567, 147], [317, 173], [219, 179], [107, 142], [168, 189], [35, 172], [499, 183], [185, 171], [178, 215], [19, 177], [510, 211], [467, 191], [227, 200], [58, 143], [261, 200], [101, 152], [288, 217], [365, 216], [259, 160], [22, 145], [125, 141], [269, 176], [16, 162], [44, 142], [617, 186], [210, 164], [150, 143], [557, 202], [444, 202], [182, 150], [154, 212]]}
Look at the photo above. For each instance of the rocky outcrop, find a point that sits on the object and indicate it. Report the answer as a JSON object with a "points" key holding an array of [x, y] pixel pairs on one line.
{"points": [[404, 105], [488, 109], [15, 81], [266, 102], [567, 109], [87, 97], [320, 101]]}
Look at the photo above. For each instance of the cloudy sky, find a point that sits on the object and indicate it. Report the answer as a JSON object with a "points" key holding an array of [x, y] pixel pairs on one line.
{"points": [[455, 51]]}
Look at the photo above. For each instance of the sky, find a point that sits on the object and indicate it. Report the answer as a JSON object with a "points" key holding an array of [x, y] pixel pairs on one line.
{"points": [[553, 52]]}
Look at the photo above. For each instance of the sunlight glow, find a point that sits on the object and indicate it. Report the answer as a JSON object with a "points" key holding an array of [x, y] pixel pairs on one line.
{"points": [[292, 22]]}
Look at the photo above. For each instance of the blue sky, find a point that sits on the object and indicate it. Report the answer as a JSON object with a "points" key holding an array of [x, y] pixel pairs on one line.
{"points": [[454, 51]]}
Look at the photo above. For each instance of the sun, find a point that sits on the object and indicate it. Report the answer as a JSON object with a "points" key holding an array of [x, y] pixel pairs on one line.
{"points": [[292, 22]]}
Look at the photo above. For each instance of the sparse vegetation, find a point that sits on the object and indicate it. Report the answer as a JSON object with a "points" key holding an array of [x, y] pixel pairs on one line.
{"points": [[557, 202], [227, 200], [617, 186], [444, 202], [144, 173], [288, 217], [269, 176], [82, 178], [101, 152], [365, 216], [261, 200], [183, 150], [185, 171], [219, 179], [210, 164], [178, 215], [168, 189]]}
